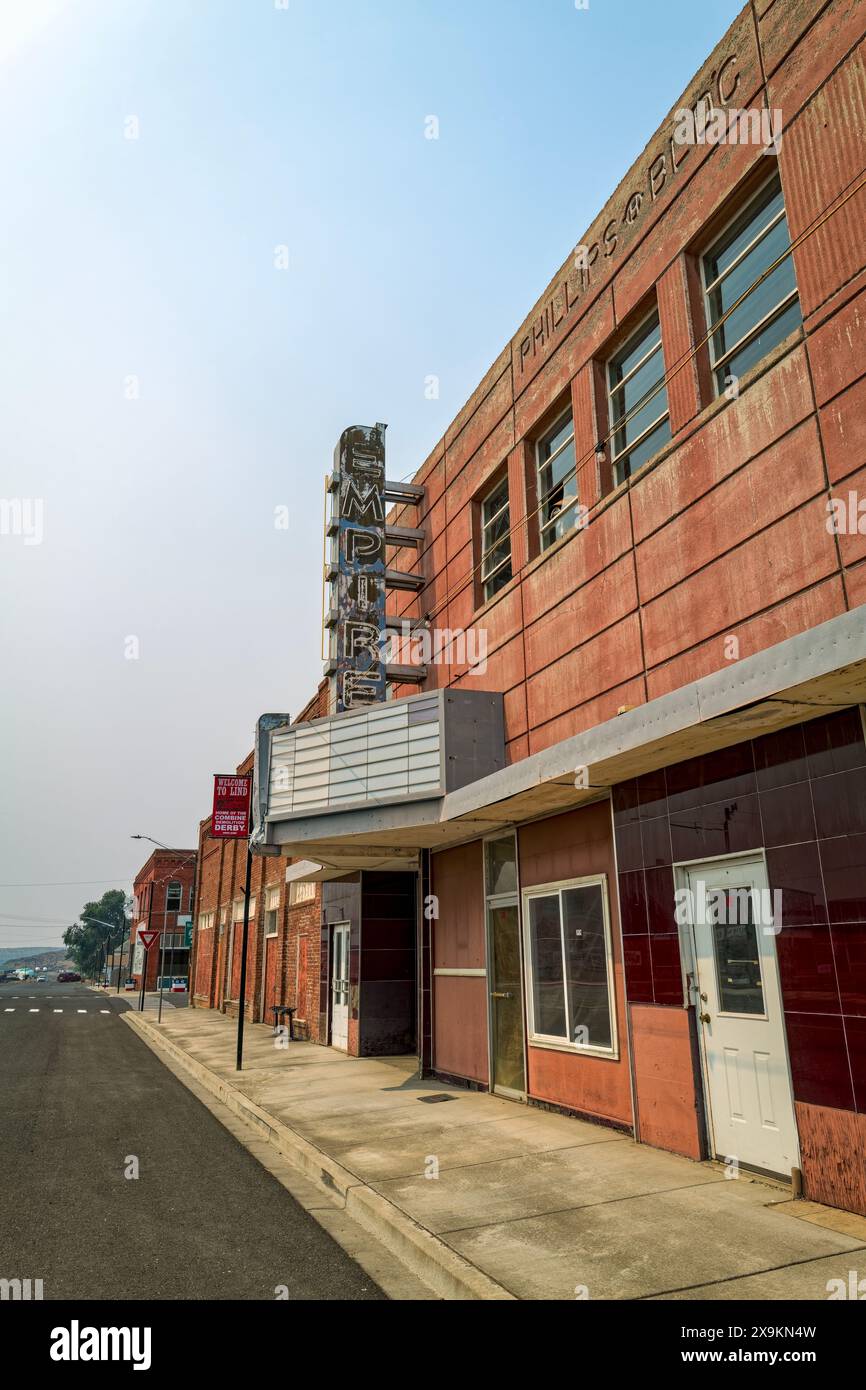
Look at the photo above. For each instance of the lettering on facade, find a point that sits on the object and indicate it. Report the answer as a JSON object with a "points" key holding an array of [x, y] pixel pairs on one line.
{"points": [[638, 200], [358, 569]]}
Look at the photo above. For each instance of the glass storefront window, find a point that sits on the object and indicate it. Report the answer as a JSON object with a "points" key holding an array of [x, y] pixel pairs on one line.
{"points": [[569, 955]]}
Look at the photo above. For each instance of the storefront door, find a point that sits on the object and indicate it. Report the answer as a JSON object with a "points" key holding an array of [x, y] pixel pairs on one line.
{"points": [[340, 986], [745, 1060], [506, 1003]]}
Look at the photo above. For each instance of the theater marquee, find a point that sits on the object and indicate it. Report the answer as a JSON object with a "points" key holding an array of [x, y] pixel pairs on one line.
{"points": [[356, 573]]}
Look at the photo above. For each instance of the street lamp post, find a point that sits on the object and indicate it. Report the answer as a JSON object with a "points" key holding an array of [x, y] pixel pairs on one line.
{"points": [[112, 926]]}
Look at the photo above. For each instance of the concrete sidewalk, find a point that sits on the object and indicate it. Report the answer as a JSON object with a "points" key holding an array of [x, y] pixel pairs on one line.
{"points": [[484, 1198]]}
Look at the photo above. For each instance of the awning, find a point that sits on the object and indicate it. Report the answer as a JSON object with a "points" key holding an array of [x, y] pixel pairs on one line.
{"points": [[799, 679]]}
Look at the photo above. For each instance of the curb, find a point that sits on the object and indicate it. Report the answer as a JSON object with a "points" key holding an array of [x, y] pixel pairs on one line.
{"points": [[446, 1272]]}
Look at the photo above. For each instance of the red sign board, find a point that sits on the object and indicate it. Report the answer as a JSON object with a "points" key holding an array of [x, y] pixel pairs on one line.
{"points": [[231, 807], [147, 938]]}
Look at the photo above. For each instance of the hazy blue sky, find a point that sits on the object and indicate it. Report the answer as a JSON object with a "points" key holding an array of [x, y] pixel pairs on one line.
{"points": [[153, 258]]}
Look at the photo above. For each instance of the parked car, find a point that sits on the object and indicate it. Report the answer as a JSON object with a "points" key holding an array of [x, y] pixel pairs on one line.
{"points": [[40, 979], [130, 984], [178, 986], [67, 977]]}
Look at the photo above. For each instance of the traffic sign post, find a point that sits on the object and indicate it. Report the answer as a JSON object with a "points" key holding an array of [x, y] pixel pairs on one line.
{"points": [[147, 938]]}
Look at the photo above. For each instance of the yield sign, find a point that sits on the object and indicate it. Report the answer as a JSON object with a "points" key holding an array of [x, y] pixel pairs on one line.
{"points": [[147, 938]]}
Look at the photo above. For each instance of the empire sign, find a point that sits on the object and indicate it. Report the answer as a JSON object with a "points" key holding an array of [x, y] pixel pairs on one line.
{"points": [[357, 569]]}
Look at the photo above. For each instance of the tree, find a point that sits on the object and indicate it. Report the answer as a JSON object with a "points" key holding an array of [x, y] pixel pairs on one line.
{"points": [[90, 941]]}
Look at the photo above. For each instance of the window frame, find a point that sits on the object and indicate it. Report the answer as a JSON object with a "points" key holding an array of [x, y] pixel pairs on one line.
{"points": [[536, 1039], [174, 883], [485, 550], [546, 543], [492, 901], [272, 905], [615, 425], [707, 286]]}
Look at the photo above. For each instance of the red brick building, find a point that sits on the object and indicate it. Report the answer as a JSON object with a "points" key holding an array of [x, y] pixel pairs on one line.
{"points": [[651, 517], [283, 945], [163, 901]]}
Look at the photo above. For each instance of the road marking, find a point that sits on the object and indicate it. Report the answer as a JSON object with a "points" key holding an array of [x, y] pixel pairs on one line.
{"points": [[105, 1011], [82, 1011], [33, 1011], [58, 1011], [9, 1011]]}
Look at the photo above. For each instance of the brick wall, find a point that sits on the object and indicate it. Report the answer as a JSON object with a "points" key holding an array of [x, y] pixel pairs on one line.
{"points": [[221, 887], [724, 533], [149, 889]]}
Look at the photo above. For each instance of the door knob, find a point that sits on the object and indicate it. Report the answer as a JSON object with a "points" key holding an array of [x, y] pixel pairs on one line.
{"points": [[501, 994], [705, 1018]]}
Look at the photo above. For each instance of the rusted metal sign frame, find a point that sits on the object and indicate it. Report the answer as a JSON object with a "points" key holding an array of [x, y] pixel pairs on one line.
{"points": [[358, 579]]}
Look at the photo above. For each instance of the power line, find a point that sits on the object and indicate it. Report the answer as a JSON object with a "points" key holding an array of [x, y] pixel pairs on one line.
{"points": [[70, 883]]}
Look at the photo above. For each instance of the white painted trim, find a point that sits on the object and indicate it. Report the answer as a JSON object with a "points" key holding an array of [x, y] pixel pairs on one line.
{"points": [[559, 1044]]}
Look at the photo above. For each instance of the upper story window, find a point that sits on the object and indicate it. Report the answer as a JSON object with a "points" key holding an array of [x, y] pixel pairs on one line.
{"points": [[272, 908], [173, 896], [637, 402], [769, 312], [495, 540], [557, 481]]}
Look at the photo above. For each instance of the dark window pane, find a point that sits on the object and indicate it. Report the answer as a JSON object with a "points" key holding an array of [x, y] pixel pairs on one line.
{"points": [[495, 540], [497, 581], [557, 481], [654, 441], [643, 394], [556, 438], [762, 343], [770, 242], [586, 966], [744, 230], [738, 966], [501, 866], [626, 360], [545, 937]]}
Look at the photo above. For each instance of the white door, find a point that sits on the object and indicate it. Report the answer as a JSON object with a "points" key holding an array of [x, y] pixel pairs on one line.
{"points": [[750, 1102], [340, 987]]}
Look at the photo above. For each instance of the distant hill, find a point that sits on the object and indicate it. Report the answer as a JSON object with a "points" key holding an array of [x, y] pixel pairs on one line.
{"points": [[11, 957]]}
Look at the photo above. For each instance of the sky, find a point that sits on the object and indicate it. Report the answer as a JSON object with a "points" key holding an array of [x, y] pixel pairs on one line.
{"points": [[224, 237]]}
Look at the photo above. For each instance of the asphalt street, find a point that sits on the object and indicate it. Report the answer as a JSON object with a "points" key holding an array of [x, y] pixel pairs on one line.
{"points": [[81, 1097]]}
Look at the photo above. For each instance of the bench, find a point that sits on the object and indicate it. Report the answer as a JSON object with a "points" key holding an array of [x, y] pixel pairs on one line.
{"points": [[281, 1011]]}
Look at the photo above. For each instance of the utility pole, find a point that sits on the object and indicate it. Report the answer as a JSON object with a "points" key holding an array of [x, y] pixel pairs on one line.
{"points": [[146, 955], [244, 942]]}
